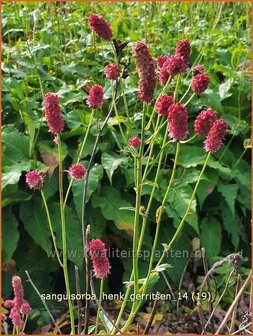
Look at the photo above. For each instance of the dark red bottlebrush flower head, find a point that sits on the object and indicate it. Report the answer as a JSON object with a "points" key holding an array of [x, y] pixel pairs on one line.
{"points": [[200, 83], [16, 317], [96, 96], [215, 136], [146, 70], [178, 122], [100, 261], [100, 26], [198, 69], [176, 64], [77, 172], [134, 142], [53, 113], [183, 48], [34, 180], [112, 71], [162, 105], [204, 122], [161, 60]]}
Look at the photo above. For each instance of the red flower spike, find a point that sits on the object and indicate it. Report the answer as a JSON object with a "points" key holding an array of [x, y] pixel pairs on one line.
{"points": [[200, 83], [53, 113], [134, 142], [204, 122], [146, 70], [77, 172], [112, 71], [100, 26], [178, 122], [162, 105], [34, 180], [96, 96], [215, 136], [100, 261]]}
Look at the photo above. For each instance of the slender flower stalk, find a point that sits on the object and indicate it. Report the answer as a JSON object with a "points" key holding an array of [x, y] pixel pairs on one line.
{"points": [[100, 301], [160, 212], [181, 224], [64, 240], [51, 227]]}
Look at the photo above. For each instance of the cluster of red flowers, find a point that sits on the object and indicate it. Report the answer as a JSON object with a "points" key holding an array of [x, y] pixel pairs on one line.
{"points": [[18, 305], [96, 96], [178, 122], [100, 261], [146, 69], [134, 142], [162, 105], [175, 64]]}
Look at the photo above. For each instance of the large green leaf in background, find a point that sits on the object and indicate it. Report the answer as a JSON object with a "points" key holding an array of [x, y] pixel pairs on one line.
{"points": [[10, 234], [111, 162], [33, 216], [210, 236], [229, 192], [110, 202]]}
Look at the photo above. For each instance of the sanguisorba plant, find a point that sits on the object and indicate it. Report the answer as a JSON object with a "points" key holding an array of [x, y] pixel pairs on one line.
{"points": [[167, 114]]}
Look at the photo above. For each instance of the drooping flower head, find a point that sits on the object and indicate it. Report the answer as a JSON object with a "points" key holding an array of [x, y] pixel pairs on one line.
{"points": [[161, 60], [162, 105], [100, 26], [34, 180], [96, 96], [215, 136], [134, 142], [146, 70], [198, 69], [204, 122], [77, 171], [200, 83], [178, 122], [100, 261], [112, 71], [53, 113]]}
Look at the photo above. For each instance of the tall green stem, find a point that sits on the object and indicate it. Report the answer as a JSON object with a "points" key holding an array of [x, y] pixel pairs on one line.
{"points": [[132, 314], [50, 227], [117, 115], [181, 225], [79, 155], [64, 241], [100, 301]]}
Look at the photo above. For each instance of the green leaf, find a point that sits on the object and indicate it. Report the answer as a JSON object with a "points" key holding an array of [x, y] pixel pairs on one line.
{"points": [[106, 323], [15, 146], [229, 192], [231, 224], [179, 199], [10, 234], [191, 156], [12, 174], [110, 202], [111, 162], [35, 222], [95, 176], [210, 236], [224, 89]]}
